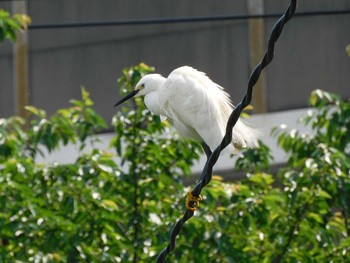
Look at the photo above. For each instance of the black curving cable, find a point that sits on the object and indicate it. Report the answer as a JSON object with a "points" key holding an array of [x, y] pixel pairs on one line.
{"points": [[206, 175]]}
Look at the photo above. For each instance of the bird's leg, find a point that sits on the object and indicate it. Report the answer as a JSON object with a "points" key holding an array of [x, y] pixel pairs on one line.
{"points": [[208, 152], [192, 202], [206, 149]]}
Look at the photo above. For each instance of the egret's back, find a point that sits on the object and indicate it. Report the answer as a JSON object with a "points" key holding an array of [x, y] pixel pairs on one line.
{"points": [[199, 109]]}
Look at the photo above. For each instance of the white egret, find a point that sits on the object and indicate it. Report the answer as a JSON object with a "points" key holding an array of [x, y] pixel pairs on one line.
{"points": [[197, 107]]}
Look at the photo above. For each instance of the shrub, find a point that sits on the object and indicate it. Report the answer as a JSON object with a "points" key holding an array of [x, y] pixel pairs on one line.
{"points": [[119, 204]]}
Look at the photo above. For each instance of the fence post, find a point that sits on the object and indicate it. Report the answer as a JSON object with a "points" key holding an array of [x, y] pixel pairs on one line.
{"points": [[256, 52], [20, 64]]}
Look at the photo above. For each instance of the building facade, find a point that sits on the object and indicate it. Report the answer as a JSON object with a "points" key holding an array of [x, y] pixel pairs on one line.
{"points": [[60, 59]]}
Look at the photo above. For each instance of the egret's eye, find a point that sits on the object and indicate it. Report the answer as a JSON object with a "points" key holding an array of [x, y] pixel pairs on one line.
{"points": [[142, 85]]}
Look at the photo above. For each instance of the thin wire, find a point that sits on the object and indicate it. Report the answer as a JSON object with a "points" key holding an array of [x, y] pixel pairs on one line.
{"points": [[154, 21], [208, 168], [19, 0]]}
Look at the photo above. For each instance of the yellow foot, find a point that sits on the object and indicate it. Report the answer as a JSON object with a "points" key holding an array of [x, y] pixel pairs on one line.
{"points": [[192, 202]]}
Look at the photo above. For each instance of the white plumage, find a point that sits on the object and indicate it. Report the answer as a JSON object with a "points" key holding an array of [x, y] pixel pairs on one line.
{"points": [[197, 107]]}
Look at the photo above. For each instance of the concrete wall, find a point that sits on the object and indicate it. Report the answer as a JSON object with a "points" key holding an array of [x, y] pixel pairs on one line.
{"points": [[309, 55]]}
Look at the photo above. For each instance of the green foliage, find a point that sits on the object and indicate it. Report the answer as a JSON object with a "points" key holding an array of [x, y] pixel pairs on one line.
{"points": [[103, 206], [317, 181], [255, 160], [9, 25], [120, 204], [299, 215]]}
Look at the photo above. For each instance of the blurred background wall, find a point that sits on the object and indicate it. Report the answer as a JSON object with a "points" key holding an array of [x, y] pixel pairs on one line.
{"points": [[309, 55]]}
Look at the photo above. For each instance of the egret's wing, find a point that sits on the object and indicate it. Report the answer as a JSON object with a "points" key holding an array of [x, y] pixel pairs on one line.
{"points": [[200, 109], [196, 103]]}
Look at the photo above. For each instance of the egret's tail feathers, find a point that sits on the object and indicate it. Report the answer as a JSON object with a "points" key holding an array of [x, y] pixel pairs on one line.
{"points": [[244, 136]]}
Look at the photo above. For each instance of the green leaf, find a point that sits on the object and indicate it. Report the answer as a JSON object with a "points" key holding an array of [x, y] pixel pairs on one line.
{"points": [[86, 97], [262, 178], [40, 113], [324, 194], [315, 217], [109, 204]]}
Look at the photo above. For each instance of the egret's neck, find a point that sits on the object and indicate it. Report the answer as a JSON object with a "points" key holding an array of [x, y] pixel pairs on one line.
{"points": [[152, 102]]}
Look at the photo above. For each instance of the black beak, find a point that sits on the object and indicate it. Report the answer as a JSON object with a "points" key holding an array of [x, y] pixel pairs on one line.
{"points": [[129, 96]]}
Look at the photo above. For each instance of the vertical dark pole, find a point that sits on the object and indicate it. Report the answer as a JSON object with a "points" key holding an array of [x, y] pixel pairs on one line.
{"points": [[20, 64], [256, 52]]}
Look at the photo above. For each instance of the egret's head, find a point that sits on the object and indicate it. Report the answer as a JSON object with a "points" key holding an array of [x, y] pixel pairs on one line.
{"points": [[147, 84]]}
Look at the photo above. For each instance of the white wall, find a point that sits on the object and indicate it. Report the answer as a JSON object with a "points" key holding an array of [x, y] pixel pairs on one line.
{"points": [[264, 122]]}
